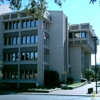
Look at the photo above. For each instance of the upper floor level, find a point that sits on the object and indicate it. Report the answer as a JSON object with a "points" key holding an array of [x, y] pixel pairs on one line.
{"points": [[82, 34]]}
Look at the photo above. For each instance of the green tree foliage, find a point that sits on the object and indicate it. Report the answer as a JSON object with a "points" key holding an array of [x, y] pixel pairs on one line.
{"points": [[89, 74], [51, 78], [34, 8]]}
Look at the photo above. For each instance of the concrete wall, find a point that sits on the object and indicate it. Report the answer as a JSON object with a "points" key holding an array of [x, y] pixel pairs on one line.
{"points": [[87, 60], [75, 62], [56, 42]]}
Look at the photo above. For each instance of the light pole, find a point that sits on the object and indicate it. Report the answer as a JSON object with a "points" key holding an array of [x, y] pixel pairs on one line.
{"points": [[95, 47]]}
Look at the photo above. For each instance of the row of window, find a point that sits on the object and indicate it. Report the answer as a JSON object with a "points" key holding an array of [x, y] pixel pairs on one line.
{"points": [[23, 56], [23, 74], [24, 24], [77, 35], [24, 40]]}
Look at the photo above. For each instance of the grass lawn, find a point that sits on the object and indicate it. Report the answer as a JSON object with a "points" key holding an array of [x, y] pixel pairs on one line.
{"points": [[75, 84]]}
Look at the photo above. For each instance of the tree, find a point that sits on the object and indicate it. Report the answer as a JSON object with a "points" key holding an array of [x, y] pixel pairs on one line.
{"points": [[34, 8], [89, 74]]}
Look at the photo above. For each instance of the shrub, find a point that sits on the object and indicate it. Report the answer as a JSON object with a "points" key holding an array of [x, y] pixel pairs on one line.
{"points": [[51, 78], [63, 86], [70, 80]]}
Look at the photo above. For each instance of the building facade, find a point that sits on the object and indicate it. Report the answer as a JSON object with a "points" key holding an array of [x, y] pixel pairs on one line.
{"points": [[29, 47]]}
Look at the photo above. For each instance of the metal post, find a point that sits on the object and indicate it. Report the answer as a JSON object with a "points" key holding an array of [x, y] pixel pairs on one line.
{"points": [[95, 65], [95, 46]]}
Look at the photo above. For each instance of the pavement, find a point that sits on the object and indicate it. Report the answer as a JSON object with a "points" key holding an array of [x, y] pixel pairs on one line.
{"points": [[80, 91]]}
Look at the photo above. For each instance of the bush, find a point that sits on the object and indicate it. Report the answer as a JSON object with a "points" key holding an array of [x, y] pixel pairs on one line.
{"points": [[51, 78], [63, 86], [70, 80]]}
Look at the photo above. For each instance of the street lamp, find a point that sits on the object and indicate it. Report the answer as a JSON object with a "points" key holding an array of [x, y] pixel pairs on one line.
{"points": [[95, 47]]}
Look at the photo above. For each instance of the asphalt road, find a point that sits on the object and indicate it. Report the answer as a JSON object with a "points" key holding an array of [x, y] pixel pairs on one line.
{"points": [[44, 97]]}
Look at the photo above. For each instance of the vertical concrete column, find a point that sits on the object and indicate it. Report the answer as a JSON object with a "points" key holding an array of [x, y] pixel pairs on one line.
{"points": [[19, 56], [40, 66]]}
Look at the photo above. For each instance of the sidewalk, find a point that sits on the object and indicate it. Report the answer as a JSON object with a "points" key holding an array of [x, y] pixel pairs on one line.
{"points": [[80, 91]]}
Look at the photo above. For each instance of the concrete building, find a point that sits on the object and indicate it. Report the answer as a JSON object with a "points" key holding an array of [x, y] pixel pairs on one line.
{"points": [[29, 47]]}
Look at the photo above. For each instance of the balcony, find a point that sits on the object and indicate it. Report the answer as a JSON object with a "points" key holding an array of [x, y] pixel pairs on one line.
{"points": [[82, 27]]}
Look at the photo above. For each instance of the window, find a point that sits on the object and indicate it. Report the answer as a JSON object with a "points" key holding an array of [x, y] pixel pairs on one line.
{"points": [[14, 40], [36, 23], [27, 56], [31, 56], [5, 41], [83, 34], [23, 39], [77, 35], [70, 35], [13, 57], [31, 75], [35, 74], [22, 56], [36, 38], [23, 24], [26, 75], [18, 24], [10, 25], [4, 57], [32, 23], [36, 56], [32, 39], [28, 23], [14, 25], [8, 56], [6, 26], [17, 56], [22, 75], [17, 40], [27, 39], [9, 41]]}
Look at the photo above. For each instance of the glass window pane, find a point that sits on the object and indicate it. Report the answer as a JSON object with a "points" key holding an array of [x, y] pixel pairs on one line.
{"points": [[31, 56], [28, 23], [23, 40], [36, 38], [77, 35], [4, 57], [14, 25], [70, 35], [9, 41], [83, 34], [10, 25], [8, 56], [32, 23], [14, 40], [17, 56], [23, 24], [36, 22], [13, 57], [36, 56], [17, 40], [32, 39], [6, 26], [18, 25], [5, 41], [22, 56], [27, 56], [27, 39]]}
